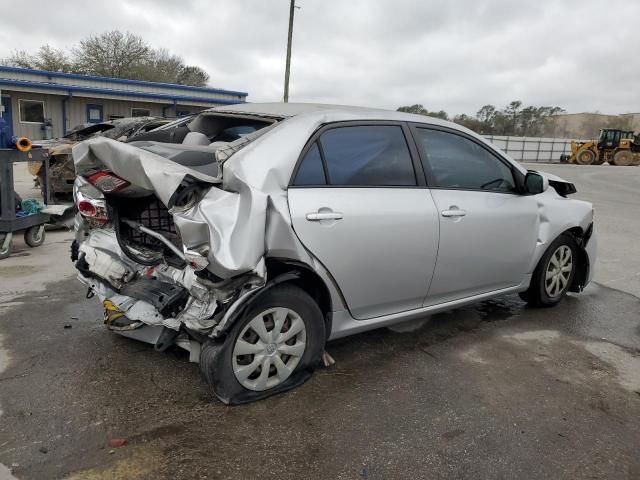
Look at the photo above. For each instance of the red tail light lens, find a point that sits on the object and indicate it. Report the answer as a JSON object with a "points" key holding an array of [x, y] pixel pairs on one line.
{"points": [[87, 209], [95, 210], [108, 182]]}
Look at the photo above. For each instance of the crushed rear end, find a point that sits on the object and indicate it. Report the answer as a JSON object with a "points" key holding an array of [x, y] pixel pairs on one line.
{"points": [[168, 251]]}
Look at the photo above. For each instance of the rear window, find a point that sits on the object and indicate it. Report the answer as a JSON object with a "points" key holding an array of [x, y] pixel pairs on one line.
{"points": [[371, 155]]}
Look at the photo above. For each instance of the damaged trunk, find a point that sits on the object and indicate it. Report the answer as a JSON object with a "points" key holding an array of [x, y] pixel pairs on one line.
{"points": [[155, 237]]}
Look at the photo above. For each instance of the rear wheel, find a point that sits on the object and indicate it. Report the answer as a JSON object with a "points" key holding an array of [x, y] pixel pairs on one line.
{"points": [[553, 275], [274, 347], [623, 158], [586, 157]]}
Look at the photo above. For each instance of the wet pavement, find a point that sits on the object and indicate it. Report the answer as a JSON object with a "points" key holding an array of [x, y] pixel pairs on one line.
{"points": [[497, 390]]}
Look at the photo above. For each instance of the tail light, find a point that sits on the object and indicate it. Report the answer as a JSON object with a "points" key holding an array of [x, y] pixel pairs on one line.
{"points": [[87, 209], [93, 209], [107, 182]]}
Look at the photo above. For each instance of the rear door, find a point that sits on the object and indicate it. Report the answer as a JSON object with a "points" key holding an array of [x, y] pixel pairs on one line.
{"points": [[359, 203], [488, 231]]}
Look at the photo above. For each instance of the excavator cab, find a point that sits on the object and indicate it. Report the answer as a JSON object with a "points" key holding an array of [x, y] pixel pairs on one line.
{"points": [[609, 139]]}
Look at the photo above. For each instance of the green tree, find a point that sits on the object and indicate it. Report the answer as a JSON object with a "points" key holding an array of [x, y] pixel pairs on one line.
{"points": [[486, 116], [192, 75], [419, 109]]}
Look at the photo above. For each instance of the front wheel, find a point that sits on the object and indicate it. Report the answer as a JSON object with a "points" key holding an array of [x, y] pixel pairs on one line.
{"points": [[553, 276], [272, 348], [586, 157]]}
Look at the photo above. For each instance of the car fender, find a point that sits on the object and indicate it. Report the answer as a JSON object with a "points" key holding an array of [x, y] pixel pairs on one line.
{"points": [[558, 215]]}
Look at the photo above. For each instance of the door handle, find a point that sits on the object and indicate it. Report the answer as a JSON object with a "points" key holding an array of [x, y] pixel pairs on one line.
{"points": [[454, 212], [318, 216]]}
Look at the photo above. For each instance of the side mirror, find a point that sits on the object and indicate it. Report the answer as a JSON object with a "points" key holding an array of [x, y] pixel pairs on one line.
{"points": [[535, 183]]}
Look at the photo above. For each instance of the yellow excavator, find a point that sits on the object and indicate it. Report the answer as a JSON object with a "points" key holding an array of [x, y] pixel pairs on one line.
{"points": [[617, 147]]}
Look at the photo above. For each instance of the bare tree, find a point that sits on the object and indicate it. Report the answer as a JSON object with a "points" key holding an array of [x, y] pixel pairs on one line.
{"points": [[112, 54], [161, 66], [46, 58]]}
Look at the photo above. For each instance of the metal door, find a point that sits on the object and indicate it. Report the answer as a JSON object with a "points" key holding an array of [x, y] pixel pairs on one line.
{"points": [[379, 244], [487, 241], [6, 124]]}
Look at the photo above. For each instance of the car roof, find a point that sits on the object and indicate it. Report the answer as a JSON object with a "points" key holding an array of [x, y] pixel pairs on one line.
{"points": [[287, 110]]}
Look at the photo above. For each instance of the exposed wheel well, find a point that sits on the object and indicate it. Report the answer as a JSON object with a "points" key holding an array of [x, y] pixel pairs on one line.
{"points": [[582, 264], [307, 280]]}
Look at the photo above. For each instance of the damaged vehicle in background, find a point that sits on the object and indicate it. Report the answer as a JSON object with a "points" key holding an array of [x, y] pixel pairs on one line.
{"points": [[61, 171], [255, 233]]}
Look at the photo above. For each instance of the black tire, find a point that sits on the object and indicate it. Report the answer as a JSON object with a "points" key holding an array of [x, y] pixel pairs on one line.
{"points": [[585, 157], [216, 358], [7, 251], [537, 295], [34, 236], [623, 158]]}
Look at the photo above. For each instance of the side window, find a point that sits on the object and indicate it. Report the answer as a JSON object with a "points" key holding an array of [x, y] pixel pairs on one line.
{"points": [[311, 171], [368, 156], [457, 162]]}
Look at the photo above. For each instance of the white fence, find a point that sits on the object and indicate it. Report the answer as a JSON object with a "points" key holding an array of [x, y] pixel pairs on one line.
{"points": [[532, 149]]}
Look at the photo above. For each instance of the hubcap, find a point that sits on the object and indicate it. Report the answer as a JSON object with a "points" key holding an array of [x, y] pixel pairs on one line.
{"points": [[269, 348], [558, 271]]}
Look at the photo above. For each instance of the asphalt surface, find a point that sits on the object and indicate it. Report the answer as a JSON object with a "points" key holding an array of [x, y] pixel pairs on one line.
{"points": [[496, 390]]}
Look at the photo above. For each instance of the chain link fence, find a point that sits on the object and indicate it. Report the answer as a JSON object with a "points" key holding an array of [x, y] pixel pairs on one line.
{"points": [[532, 149]]}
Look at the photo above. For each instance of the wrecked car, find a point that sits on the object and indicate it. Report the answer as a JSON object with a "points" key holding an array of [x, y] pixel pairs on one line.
{"points": [[262, 231], [61, 171]]}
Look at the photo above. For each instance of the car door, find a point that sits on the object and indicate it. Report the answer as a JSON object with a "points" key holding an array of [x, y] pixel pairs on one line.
{"points": [[488, 231], [359, 203]]}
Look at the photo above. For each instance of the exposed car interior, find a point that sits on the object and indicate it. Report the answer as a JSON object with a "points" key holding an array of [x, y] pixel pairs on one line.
{"points": [[207, 129]]}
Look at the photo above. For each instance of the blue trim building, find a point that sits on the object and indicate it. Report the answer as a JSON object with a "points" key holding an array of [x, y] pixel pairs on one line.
{"points": [[34, 98]]}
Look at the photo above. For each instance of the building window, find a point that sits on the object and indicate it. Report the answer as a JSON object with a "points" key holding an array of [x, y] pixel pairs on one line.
{"points": [[140, 112], [31, 111]]}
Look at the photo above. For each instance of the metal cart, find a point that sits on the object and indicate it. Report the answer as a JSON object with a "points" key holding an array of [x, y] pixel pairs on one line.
{"points": [[32, 225]]}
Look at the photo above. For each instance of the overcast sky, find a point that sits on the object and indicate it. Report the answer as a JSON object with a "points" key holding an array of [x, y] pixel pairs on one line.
{"points": [[455, 55]]}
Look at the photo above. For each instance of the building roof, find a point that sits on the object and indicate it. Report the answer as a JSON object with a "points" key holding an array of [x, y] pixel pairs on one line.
{"points": [[89, 85]]}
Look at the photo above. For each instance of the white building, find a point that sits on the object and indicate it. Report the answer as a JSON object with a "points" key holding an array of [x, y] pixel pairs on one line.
{"points": [[32, 97]]}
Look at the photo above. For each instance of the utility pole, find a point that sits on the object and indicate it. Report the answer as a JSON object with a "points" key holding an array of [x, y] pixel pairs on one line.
{"points": [[287, 70]]}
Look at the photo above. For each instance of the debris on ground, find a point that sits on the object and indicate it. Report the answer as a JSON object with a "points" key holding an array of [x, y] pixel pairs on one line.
{"points": [[117, 442]]}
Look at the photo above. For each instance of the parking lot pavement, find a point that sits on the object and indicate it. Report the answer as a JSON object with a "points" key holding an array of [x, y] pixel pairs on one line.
{"points": [[496, 390]]}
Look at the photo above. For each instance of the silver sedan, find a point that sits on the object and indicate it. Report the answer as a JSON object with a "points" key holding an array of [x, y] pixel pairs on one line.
{"points": [[255, 233]]}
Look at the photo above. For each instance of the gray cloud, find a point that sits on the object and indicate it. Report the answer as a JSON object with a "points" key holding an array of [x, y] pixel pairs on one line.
{"points": [[451, 55]]}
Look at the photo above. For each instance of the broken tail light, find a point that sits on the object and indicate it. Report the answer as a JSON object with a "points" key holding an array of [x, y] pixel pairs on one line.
{"points": [[87, 209], [107, 182], [91, 208]]}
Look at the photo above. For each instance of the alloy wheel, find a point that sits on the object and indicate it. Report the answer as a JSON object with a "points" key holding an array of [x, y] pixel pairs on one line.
{"points": [[269, 348], [558, 271]]}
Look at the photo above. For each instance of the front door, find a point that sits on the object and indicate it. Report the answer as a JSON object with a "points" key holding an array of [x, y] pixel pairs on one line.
{"points": [[94, 113], [358, 206], [488, 232]]}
